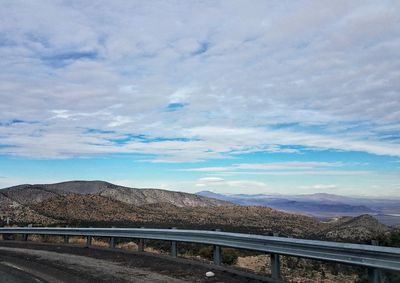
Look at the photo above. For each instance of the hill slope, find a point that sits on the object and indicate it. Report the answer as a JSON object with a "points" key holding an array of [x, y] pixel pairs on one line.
{"points": [[30, 194], [105, 204], [359, 228], [75, 208]]}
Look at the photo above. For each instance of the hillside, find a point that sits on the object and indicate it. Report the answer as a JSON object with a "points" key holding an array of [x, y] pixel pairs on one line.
{"points": [[29, 194], [95, 208], [17, 212], [102, 203], [359, 228]]}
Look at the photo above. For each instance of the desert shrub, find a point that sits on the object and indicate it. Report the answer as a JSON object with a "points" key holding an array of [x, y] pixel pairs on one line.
{"points": [[206, 252], [291, 262], [390, 239], [334, 269], [229, 256], [323, 275], [9, 237], [316, 265]]}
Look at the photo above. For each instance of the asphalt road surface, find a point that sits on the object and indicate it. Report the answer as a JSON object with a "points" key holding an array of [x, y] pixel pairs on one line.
{"points": [[32, 262], [10, 273]]}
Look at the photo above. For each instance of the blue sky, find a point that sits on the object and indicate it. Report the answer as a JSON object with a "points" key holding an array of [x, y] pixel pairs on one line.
{"points": [[273, 97]]}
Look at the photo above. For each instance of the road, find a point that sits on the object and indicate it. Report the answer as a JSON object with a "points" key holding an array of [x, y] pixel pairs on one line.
{"points": [[10, 273], [33, 262]]}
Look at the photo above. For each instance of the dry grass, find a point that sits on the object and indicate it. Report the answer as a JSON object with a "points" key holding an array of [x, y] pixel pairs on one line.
{"points": [[77, 240], [46, 239], [130, 246], [259, 263], [152, 250], [97, 242], [100, 242]]}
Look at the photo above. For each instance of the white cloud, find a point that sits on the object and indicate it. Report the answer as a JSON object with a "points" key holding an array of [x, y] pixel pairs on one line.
{"points": [[208, 169], [289, 165], [320, 187], [320, 76], [207, 181], [210, 180]]}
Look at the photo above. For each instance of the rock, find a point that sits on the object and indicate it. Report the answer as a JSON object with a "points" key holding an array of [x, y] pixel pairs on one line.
{"points": [[210, 274]]}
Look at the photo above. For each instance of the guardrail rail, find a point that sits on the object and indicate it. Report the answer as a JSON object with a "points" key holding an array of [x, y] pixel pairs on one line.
{"points": [[373, 257]]}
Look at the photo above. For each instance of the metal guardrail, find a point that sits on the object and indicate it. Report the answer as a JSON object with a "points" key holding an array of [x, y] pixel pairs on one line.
{"points": [[375, 258]]}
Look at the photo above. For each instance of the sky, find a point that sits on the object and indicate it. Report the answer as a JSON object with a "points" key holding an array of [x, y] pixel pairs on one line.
{"points": [[280, 97]]}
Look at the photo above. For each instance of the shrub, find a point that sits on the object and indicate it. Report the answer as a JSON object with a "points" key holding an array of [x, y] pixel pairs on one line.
{"points": [[206, 252], [229, 256]]}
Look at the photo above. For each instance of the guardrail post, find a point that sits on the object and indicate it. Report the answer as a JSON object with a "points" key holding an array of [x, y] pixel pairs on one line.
{"points": [[25, 236], [66, 237], [374, 274], [89, 240], [174, 251], [141, 244], [275, 264], [112, 241], [217, 252]]}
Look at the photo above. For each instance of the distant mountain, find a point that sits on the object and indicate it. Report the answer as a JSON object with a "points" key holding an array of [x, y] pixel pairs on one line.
{"points": [[312, 204], [319, 205], [323, 197], [210, 194]]}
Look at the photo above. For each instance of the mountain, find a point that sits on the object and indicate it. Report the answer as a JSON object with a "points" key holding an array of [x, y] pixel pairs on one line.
{"points": [[75, 208], [20, 203], [320, 205], [28, 194], [100, 203]]}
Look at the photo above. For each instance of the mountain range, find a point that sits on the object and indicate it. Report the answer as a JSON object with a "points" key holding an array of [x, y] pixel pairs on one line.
{"points": [[320, 205], [97, 203]]}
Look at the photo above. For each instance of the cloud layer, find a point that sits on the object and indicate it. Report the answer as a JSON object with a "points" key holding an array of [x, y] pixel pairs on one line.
{"points": [[183, 81]]}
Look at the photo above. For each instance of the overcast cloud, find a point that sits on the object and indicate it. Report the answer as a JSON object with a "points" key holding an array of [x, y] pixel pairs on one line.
{"points": [[187, 81]]}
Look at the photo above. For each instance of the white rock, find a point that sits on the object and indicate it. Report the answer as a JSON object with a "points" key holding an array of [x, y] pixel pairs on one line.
{"points": [[210, 274]]}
